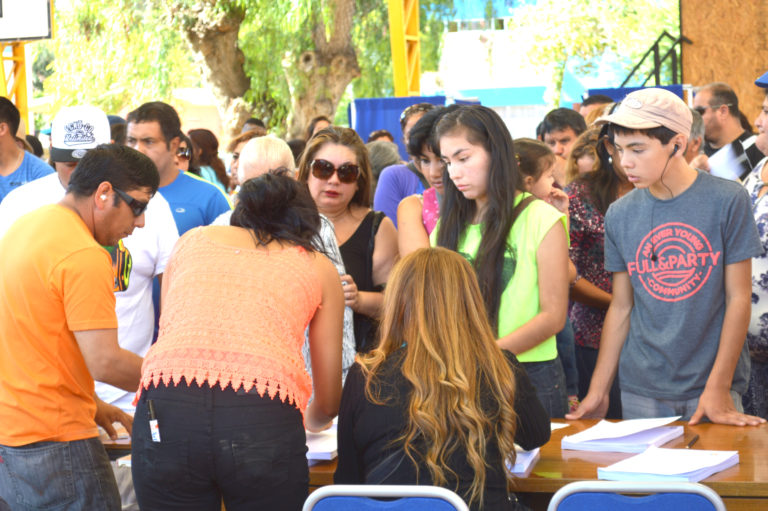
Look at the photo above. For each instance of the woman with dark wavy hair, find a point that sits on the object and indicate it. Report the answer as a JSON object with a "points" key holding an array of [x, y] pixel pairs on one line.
{"points": [[224, 394], [438, 402]]}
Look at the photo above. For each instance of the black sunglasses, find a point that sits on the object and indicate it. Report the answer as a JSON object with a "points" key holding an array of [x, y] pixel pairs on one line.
{"points": [[323, 169], [136, 206], [184, 152]]}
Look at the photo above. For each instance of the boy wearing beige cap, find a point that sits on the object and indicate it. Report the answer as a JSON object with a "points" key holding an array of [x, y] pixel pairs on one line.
{"points": [[680, 248]]}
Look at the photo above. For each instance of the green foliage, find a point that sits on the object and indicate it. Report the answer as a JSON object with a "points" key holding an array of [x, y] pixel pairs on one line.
{"points": [[551, 32], [116, 54]]}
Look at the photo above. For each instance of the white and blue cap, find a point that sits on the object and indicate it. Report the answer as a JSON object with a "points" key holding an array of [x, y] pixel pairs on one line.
{"points": [[762, 81], [75, 130]]}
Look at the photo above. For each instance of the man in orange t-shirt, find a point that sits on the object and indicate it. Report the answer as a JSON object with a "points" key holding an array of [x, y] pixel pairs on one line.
{"points": [[58, 332]]}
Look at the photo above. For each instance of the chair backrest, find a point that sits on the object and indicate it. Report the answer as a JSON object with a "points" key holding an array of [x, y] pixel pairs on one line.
{"points": [[342, 497], [656, 496]]}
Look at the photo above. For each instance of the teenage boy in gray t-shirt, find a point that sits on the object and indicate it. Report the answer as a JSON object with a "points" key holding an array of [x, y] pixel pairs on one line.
{"points": [[680, 248]]}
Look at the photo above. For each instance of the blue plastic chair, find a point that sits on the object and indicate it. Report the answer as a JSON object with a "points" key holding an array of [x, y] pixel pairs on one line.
{"points": [[657, 496], [349, 497]]}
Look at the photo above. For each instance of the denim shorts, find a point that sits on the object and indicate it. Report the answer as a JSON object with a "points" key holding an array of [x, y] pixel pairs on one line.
{"points": [[62, 476]]}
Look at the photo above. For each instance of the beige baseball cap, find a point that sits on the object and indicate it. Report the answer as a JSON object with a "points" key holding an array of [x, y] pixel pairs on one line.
{"points": [[651, 108]]}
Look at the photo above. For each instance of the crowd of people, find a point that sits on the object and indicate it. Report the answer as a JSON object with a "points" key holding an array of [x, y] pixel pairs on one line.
{"points": [[219, 303]]}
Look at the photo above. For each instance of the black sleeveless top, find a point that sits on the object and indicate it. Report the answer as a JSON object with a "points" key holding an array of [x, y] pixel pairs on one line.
{"points": [[357, 254]]}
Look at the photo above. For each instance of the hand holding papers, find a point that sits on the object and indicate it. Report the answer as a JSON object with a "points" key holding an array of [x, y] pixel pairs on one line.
{"points": [[322, 445], [658, 464], [624, 436], [524, 461]]}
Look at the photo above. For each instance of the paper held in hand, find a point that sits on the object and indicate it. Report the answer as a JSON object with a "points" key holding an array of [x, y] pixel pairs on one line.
{"points": [[658, 464], [624, 436]]}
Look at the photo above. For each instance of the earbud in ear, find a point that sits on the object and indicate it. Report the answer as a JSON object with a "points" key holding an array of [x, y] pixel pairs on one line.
{"points": [[103, 197], [675, 149]]}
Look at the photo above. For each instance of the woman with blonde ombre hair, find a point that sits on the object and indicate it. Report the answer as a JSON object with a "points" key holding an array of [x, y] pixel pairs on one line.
{"points": [[437, 401]]}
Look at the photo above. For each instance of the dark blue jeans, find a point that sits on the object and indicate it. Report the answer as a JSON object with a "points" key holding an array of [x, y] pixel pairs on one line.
{"points": [[548, 379], [72, 475], [244, 448], [566, 350]]}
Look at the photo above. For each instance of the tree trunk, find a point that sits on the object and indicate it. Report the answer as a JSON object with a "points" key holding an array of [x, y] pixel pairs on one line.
{"points": [[213, 38], [317, 79]]}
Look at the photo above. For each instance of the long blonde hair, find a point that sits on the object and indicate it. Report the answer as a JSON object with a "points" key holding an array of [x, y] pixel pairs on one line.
{"points": [[463, 388]]}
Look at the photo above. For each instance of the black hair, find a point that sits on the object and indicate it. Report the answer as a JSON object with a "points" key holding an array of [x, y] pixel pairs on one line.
{"points": [[163, 114], [723, 94], [255, 122], [533, 157], [378, 134], [313, 122], [412, 110], [36, 146], [422, 133], [297, 146], [660, 133], [193, 167], [563, 118], [482, 126], [277, 208], [124, 168], [9, 114], [117, 132], [597, 99]]}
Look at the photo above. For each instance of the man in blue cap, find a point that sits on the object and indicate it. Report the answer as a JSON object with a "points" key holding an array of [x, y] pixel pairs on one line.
{"points": [[755, 399]]}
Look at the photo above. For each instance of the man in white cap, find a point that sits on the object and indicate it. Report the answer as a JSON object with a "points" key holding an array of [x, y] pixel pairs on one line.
{"points": [[136, 259], [17, 166], [680, 247]]}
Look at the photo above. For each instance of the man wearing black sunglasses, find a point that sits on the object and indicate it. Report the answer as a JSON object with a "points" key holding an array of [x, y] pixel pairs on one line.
{"points": [[724, 132], [58, 333]]}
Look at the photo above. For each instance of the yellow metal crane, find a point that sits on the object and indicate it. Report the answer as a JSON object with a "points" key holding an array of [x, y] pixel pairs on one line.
{"points": [[14, 85], [406, 50]]}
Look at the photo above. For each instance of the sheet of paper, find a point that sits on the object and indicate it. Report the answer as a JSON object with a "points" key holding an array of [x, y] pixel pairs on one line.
{"points": [[605, 429], [724, 163], [558, 425]]}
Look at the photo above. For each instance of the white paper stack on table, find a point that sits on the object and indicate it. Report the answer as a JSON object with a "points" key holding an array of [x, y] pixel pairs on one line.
{"points": [[634, 435], [524, 461], [322, 445], [657, 464]]}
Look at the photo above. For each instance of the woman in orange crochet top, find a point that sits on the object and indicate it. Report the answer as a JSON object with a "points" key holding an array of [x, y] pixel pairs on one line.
{"points": [[223, 397]]}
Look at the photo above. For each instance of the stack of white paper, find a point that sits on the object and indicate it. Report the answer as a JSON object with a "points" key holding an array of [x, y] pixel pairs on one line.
{"points": [[524, 461], [322, 446], [657, 464], [625, 436]]}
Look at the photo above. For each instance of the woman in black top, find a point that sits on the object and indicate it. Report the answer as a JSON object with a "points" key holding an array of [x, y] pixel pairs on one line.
{"points": [[437, 402], [337, 170]]}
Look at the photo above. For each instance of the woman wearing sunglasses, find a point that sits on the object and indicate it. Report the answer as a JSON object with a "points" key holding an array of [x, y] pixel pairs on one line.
{"points": [[336, 168]]}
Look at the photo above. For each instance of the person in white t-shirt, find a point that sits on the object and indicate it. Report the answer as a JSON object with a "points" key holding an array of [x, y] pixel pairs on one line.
{"points": [[136, 259]]}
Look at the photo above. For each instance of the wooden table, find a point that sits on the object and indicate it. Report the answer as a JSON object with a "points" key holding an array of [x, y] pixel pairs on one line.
{"points": [[742, 487]]}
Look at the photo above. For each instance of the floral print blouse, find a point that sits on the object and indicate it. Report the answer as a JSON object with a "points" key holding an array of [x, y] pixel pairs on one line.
{"points": [[587, 230], [757, 335]]}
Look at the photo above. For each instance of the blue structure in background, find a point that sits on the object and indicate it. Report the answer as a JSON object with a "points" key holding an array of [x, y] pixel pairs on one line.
{"points": [[370, 114], [618, 93]]}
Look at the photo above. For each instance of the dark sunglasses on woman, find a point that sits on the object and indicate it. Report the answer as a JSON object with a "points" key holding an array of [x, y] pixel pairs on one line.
{"points": [[323, 169], [184, 152]]}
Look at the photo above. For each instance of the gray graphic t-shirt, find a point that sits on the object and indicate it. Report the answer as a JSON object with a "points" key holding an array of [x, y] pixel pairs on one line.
{"points": [[675, 252]]}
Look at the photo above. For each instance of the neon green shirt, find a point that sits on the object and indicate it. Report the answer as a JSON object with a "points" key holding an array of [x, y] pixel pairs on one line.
{"points": [[520, 298]]}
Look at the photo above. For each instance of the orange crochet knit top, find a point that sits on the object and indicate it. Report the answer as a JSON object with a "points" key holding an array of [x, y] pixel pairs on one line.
{"points": [[235, 316]]}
